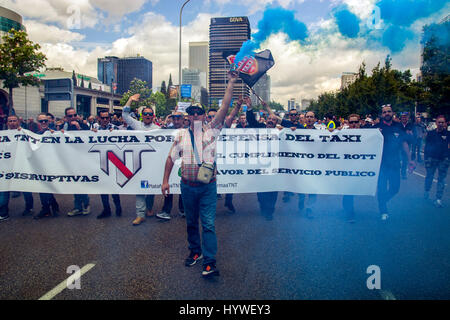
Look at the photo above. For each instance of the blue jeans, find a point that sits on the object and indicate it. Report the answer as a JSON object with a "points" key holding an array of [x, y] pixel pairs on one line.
{"points": [[4, 201], [80, 201], [200, 202]]}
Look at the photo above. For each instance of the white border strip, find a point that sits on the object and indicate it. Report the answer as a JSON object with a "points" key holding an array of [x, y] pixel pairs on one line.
{"points": [[63, 285]]}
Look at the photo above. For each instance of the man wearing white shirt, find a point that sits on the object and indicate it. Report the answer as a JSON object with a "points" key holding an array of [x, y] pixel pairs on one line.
{"points": [[144, 203]]}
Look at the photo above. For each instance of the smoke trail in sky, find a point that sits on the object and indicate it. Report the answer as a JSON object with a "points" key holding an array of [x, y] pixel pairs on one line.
{"points": [[274, 20], [404, 13], [399, 15], [348, 22]]}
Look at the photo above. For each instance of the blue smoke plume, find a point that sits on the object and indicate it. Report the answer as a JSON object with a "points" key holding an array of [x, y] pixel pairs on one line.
{"points": [[404, 13], [399, 15], [274, 20], [348, 22], [395, 38]]}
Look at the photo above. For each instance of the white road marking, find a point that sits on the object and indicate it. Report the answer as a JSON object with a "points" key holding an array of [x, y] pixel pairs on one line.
{"points": [[387, 295], [63, 285], [421, 175]]}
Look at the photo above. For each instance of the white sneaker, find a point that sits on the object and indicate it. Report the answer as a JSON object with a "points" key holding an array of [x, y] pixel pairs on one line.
{"points": [[163, 215], [438, 203], [384, 216]]}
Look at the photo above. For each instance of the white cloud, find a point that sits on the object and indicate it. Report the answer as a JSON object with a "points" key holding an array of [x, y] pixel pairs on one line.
{"points": [[43, 33], [300, 71], [71, 14]]}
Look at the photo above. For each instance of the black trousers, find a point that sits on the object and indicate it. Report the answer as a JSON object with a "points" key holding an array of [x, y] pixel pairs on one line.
{"points": [[105, 202], [388, 185], [168, 203], [267, 201]]}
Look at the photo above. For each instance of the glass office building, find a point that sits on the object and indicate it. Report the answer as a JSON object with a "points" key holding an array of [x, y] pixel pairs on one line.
{"points": [[225, 35], [9, 20], [133, 67], [123, 70], [107, 70]]}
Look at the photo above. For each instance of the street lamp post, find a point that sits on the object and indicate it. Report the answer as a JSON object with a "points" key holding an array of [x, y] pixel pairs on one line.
{"points": [[179, 54]]}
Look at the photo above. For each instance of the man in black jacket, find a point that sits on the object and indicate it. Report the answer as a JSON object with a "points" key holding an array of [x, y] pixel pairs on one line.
{"points": [[395, 142], [49, 204], [437, 156], [81, 201]]}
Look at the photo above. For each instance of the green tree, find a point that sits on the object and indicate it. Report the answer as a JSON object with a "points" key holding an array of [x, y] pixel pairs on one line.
{"points": [[141, 87], [436, 69], [276, 106], [163, 88], [365, 96], [74, 78], [18, 57], [158, 99]]}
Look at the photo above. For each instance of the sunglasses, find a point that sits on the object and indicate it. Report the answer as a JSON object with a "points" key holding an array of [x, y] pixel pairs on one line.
{"points": [[104, 118], [147, 114], [197, 111], [71, 115], [353, 122], [293, 114], [42, 121]]}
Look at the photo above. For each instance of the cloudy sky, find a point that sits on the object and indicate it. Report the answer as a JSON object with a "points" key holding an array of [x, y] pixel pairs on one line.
{"points": [[74, 33]]}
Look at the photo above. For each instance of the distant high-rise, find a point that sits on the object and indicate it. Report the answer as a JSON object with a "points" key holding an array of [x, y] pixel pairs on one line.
{"points": [[225, 34], [262, 89], [291, 104], [9, 20], [133, 67], [347, 79], [123, 70], [107, 68], [198, 56]]}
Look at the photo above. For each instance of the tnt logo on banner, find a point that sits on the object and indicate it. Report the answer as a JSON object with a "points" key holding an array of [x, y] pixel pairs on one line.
{"points": [[117, 156]]}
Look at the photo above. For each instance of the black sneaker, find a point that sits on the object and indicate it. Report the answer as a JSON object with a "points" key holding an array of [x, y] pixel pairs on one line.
{"points": [[42, 214], [230, 207], [55, 211], [192, 259], [27, 212], [210, 270], [104, 214], [4, 218]]}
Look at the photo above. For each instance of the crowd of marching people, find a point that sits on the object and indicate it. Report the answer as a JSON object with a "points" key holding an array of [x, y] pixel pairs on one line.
{"points": [[407, 141], [417, 134]]}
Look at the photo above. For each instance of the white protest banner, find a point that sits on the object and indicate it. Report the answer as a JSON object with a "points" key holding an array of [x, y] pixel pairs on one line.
{"points": [[248, 160]]}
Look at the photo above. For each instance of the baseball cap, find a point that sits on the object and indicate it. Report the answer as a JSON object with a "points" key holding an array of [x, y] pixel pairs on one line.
{"points": [[195, 106]]}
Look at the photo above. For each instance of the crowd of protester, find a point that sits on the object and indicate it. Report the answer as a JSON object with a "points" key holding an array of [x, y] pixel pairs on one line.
{"points": [[407, 139]]}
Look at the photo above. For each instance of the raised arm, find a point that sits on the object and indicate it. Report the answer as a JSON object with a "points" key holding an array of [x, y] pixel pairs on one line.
{"points": [[126, 112], [222, 112], [234, 112]]}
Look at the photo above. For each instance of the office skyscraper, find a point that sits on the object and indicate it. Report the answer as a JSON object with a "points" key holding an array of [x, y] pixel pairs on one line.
{"points": [[123, 70], [107, 68], [133, 67], [225, 34]]}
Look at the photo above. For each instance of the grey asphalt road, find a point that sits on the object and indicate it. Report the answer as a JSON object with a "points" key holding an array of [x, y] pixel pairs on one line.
{"points": [[291, 257]]}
